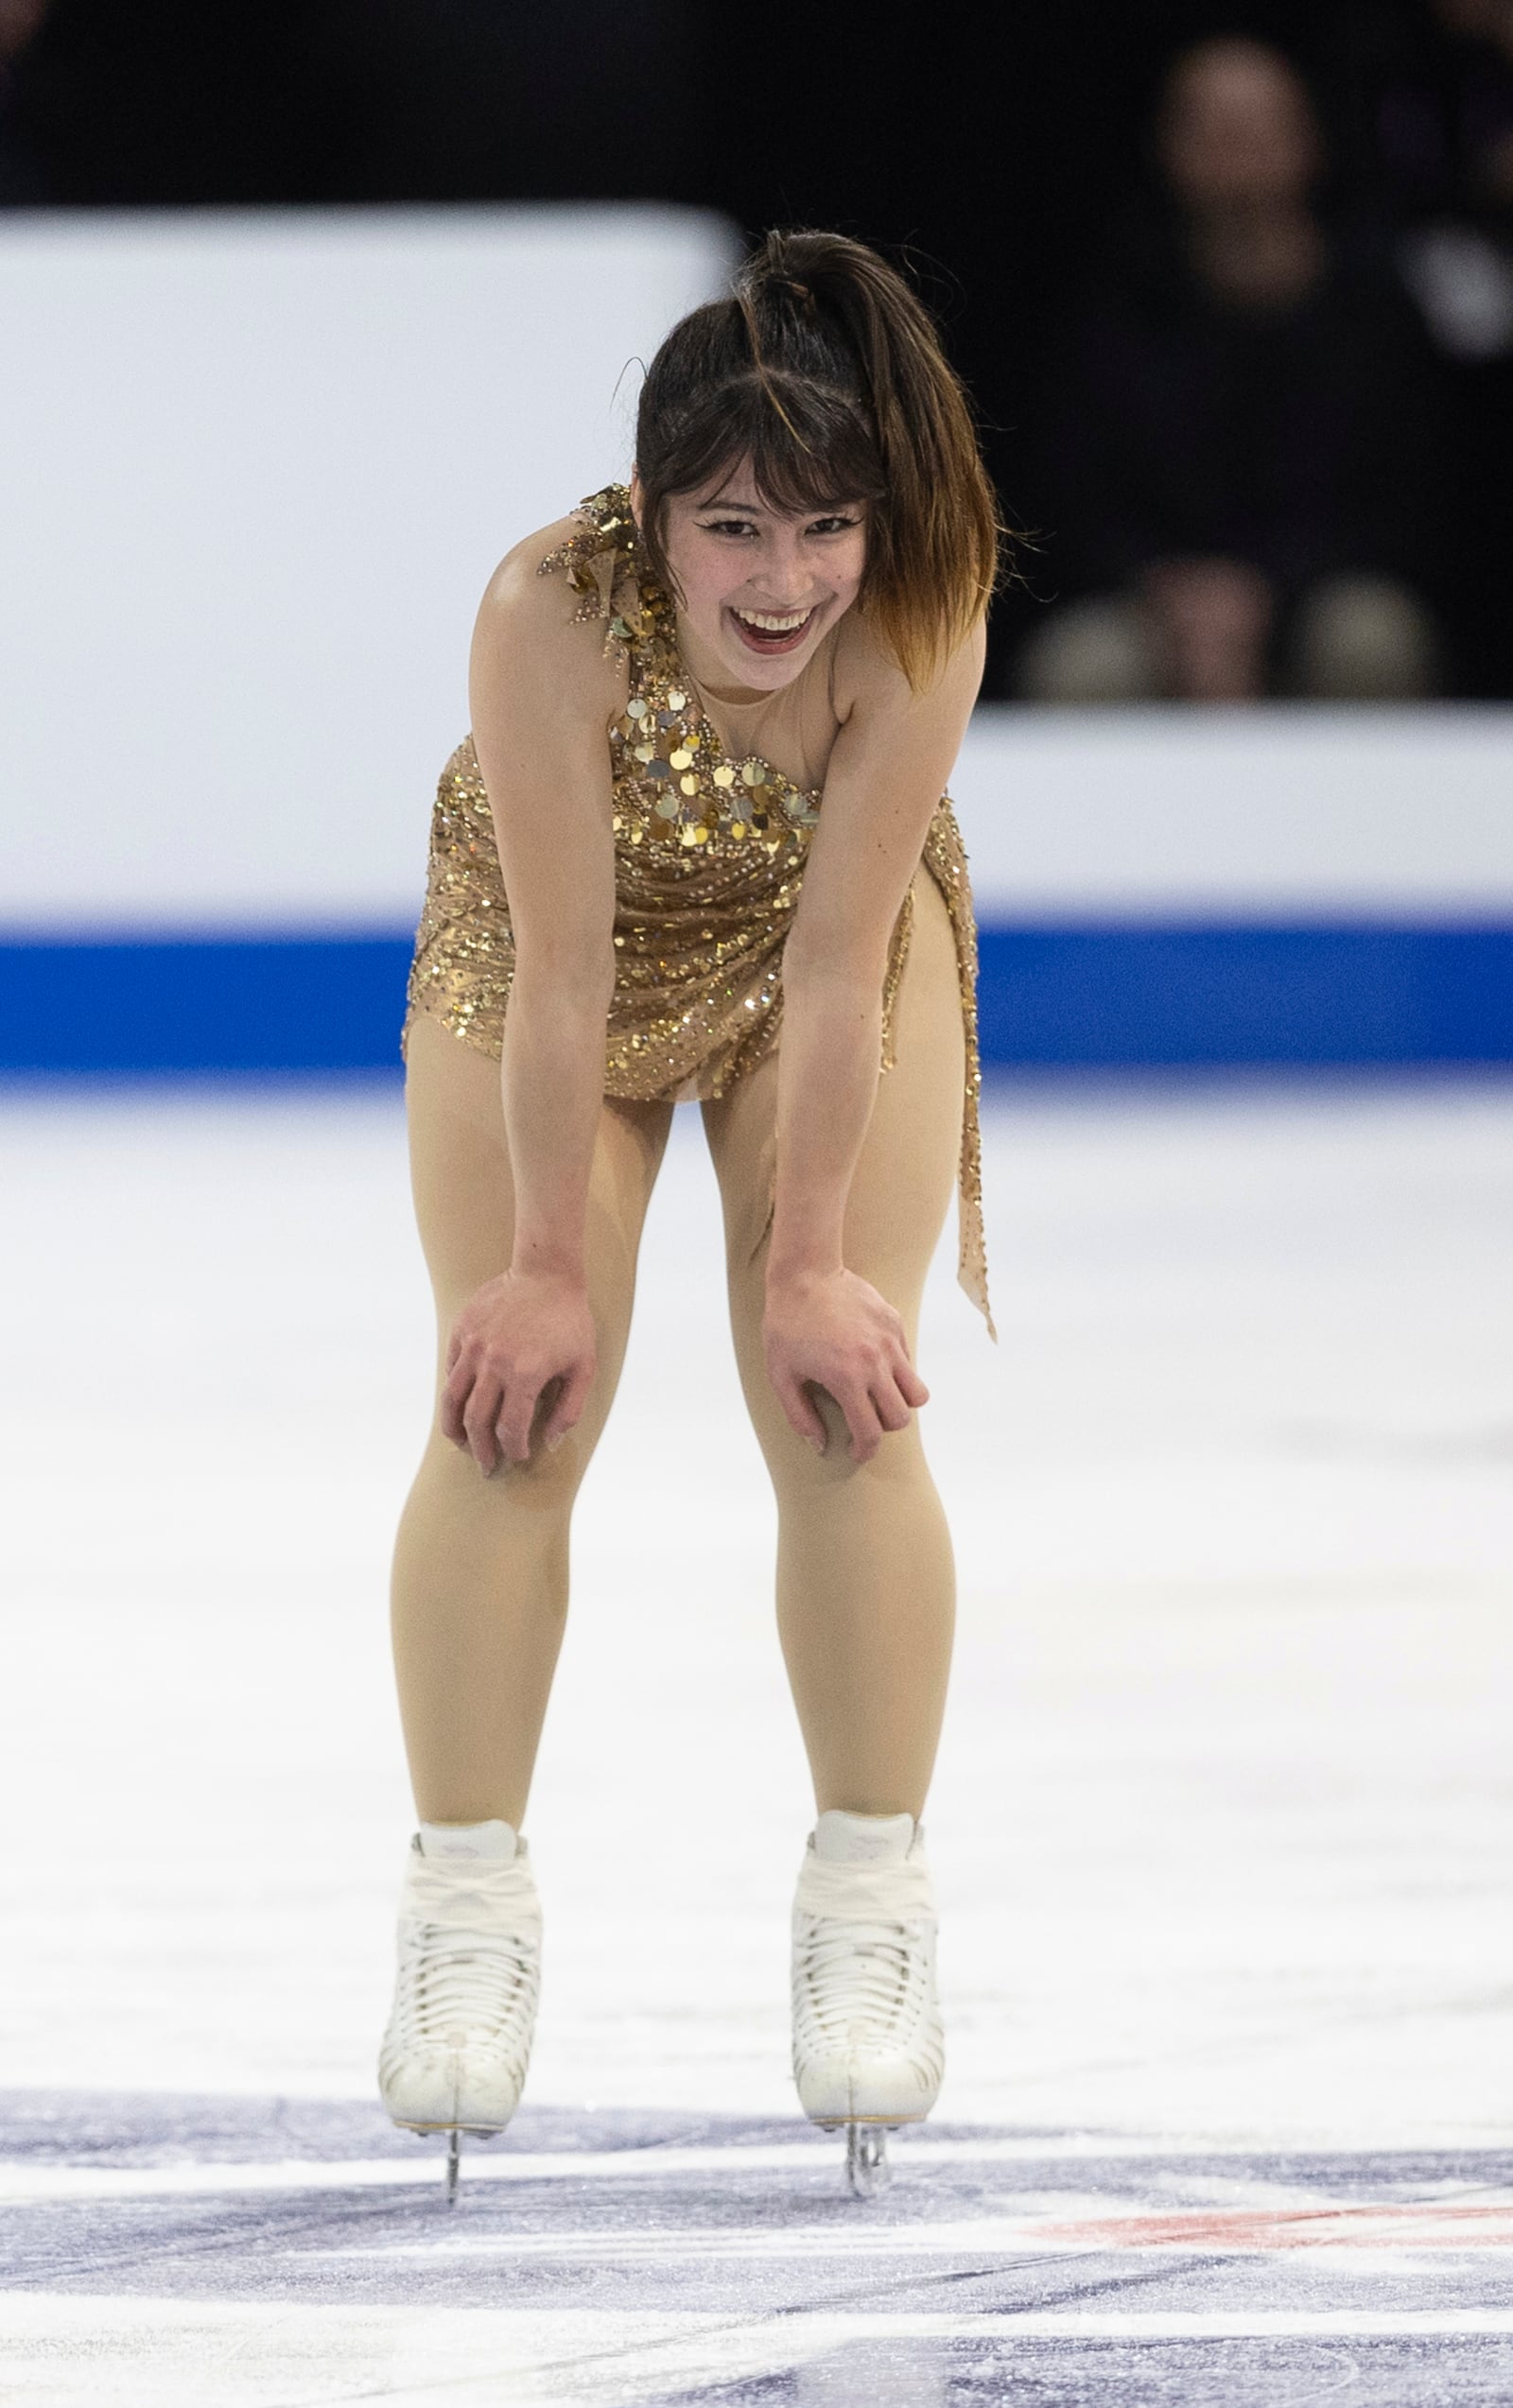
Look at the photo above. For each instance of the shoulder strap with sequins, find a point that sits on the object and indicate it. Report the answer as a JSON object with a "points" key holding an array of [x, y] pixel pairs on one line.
{"points": [[600, 561]]}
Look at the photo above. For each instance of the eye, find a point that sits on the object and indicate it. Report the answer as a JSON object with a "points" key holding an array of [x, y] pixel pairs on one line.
{"points": [[837, 524], [727, 527]]}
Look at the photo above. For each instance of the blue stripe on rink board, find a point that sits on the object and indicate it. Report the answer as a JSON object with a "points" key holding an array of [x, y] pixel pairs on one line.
{"points": [[1076, 993], [202, 1004], [1105, 995]]}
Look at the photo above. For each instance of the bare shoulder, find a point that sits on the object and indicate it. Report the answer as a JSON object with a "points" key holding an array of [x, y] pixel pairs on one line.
{"points": [[528, 626], [870, 687]]}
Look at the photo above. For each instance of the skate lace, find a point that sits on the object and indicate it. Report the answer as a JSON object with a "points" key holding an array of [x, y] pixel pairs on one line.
{"points": [[874, 1976], [465, 1983], [470, 1958]]}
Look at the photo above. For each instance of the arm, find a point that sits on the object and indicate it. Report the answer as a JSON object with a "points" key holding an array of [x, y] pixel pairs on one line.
{"points": [[825, 1326], [541, 702]]}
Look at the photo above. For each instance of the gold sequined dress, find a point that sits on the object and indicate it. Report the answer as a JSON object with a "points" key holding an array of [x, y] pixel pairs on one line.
{"points": [[709, 854]]}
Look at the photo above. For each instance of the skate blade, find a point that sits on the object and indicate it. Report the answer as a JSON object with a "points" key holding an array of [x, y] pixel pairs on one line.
{"points": [[474, 2131], [876, 2123], [867, 2169]]}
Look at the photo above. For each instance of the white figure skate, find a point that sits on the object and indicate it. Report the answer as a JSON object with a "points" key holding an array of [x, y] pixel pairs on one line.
{"points": [[869, 2049], [455, 2053]]}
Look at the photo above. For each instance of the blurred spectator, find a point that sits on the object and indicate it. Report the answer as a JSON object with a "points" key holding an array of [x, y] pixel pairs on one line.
{"points": [[1431, 127], [22, 182], [1241, 443], [1438, 89]]}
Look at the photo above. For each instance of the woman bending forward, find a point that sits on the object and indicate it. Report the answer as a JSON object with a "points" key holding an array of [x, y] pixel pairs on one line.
{"points": [[696, 847]]}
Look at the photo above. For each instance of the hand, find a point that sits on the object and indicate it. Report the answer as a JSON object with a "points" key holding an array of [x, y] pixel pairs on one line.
{"points": [[831, 1331], [520, 1336], [1213, 617]]}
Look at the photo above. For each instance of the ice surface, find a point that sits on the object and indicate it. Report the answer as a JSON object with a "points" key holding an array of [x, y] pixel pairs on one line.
{"points": [[1222, 1828]]}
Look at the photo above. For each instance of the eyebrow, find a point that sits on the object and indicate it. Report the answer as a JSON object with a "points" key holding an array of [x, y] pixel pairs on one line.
{"points": [[761, 509]]}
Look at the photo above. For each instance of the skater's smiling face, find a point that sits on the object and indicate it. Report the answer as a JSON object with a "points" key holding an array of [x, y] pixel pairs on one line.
{"points": [[758, 586]]}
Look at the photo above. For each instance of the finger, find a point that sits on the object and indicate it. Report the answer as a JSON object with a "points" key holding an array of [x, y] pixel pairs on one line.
{"points": [[893, 1409], [454, 1349], [910, 1384], [571, 1398], [799, 1406], [455, 1398], [451, 1415], [517, 1411], [862, 1421], [479, 1415]]}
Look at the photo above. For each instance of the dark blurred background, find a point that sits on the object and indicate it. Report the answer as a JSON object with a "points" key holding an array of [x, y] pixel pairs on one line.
{"points": [[1233, 289]]}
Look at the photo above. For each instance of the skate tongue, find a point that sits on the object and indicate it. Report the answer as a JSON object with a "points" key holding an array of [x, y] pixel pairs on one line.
{"points": [[862, 1839], [464, 1843]]}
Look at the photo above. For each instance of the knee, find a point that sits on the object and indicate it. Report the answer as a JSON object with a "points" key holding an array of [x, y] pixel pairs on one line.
{"points": [[541, 1490], [800, 1476]]}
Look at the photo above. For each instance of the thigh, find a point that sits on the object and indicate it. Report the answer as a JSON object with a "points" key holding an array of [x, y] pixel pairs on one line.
{"points": [[907, 1167], [465, 1193]]}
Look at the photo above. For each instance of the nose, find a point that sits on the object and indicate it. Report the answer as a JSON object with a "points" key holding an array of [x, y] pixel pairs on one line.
{"points": [[782, 573]]}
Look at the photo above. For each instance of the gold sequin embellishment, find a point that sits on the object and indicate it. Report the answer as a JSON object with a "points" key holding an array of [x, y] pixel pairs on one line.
{"points": [[709, 854]]}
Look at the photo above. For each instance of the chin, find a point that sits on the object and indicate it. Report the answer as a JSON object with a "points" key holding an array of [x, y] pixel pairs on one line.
{"points": [[773, 674]]}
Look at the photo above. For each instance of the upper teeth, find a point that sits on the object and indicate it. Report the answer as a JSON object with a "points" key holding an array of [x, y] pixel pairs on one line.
{"points": [[771, 620]]}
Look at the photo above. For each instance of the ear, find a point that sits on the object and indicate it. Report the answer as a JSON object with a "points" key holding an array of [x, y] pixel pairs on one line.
{"points": [[637, 494]]}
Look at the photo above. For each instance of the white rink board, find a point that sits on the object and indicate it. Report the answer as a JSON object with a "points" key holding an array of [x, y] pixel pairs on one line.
{"points": [[1279, 813], [260, 466]]}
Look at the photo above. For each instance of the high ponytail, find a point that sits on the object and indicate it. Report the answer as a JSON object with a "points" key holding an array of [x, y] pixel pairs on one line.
{"points": [[825, 369]]}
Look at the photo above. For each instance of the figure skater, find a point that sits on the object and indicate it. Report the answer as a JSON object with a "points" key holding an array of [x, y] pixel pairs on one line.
{"points": [[696, 846]]}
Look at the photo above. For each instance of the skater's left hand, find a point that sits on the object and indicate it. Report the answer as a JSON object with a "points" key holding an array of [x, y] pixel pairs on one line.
{"points": [[831, 1331]]}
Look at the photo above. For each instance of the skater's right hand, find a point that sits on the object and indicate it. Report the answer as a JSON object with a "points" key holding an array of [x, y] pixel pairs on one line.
{"points": [[523, 1346]]}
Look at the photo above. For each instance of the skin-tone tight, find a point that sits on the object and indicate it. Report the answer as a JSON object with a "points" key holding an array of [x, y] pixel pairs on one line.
{"points": [[865, 1587]]}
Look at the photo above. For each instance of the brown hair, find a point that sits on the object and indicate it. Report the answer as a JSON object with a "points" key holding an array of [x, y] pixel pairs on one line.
{"points": [[825, 369]]}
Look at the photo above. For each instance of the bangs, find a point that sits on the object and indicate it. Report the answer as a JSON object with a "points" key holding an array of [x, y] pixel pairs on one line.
{"points": [[808, 448]]}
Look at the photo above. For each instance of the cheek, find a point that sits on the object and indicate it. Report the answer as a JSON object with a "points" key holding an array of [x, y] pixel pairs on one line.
{"points": [[704, 580], [850, 572]]}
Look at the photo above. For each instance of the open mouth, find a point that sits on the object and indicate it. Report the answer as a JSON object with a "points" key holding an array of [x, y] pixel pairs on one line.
{"points": [[773, 631]]}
